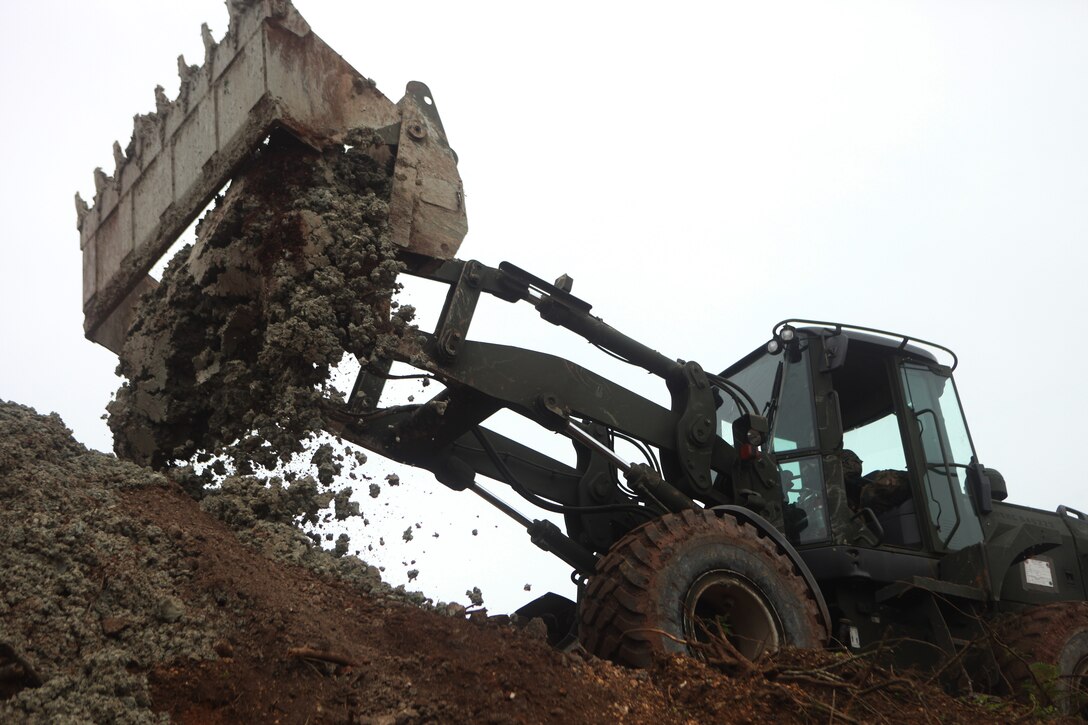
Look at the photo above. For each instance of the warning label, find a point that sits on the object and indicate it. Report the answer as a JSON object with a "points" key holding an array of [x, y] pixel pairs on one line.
{"points": [[1038, 572]]}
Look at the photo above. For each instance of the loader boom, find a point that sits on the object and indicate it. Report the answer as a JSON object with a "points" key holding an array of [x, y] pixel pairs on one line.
{"points": [[446, 435]]}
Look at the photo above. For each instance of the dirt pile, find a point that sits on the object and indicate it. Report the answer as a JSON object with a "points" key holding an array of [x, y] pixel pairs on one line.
{"points": [[127, 601], [96, 591], [89, 593]]}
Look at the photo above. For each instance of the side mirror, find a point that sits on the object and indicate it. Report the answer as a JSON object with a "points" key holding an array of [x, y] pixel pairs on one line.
{"points": [[998, 490], [986, 486], [978, 483]]}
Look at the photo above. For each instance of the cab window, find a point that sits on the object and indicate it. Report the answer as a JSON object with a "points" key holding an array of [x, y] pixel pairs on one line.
{"points": [[936, 415], [793, 442], [756, 379], [793, 424], [803, 488], [782, 392], [875, 470]]}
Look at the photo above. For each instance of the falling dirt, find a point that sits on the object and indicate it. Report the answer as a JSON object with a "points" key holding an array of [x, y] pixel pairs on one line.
{"points": [[230, 356]]}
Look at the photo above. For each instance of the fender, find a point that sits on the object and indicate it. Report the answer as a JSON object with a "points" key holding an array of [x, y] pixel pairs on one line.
{"points": [[749, 517]]}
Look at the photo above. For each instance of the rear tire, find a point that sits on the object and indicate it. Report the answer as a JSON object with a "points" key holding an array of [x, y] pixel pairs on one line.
{"points": [[1046, 647], [657, 582]]}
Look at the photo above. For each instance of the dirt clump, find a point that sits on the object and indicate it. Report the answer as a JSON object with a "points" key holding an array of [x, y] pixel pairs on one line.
{"points": [[230, 355]]}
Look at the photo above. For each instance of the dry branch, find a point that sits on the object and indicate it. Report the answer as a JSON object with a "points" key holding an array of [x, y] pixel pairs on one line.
{"points": [[322, 655]]}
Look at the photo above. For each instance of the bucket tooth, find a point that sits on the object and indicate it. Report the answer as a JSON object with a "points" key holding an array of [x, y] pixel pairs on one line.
{"points": [[209, 45], [101, 181], [145, 130], [235, 8], [118, 160], [187, 75], [186, 71], [82, 210], [162, 103]]}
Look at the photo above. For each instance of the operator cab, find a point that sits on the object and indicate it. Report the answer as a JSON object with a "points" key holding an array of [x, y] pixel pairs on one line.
{"points": [[869, 437]]}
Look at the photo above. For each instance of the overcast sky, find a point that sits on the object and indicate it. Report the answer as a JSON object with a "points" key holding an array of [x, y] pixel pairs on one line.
{"points": [[700, 173]]}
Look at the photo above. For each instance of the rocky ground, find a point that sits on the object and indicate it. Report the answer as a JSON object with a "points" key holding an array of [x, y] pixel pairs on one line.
{"points": [[126, 600]]}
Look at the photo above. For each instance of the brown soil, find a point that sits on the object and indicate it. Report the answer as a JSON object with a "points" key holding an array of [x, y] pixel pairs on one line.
{"points": [[125, 600]]}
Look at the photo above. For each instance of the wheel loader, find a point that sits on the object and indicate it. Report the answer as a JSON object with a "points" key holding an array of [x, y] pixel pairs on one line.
{"points": [[824, 491]]}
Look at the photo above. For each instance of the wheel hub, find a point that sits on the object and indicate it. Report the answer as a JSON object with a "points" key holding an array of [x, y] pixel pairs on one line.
{"points": [[1078, 688], [724, 602]]}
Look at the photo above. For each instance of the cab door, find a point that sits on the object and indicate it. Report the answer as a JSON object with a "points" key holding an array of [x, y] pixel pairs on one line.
{"points": [[943, 453], [905, 435]]}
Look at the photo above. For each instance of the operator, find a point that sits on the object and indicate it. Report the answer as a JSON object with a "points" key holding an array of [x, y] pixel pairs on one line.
{"points": [[880, 491], [851, 476]]}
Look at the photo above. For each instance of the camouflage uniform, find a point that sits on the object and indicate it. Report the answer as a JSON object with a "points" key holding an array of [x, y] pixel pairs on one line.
{"points": [[884, 490], [849, 528], [851, 476], [880, 491]]}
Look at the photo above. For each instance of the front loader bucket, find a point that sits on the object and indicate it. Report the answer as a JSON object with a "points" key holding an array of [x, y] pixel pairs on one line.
{"points": [[269, 72]]}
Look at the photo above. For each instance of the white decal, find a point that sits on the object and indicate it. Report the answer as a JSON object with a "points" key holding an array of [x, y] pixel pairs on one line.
{"points": [[1039, 573]]}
